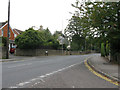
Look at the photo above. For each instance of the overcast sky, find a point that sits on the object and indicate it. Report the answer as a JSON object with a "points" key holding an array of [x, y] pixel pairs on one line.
{"points": [[26, 13]]}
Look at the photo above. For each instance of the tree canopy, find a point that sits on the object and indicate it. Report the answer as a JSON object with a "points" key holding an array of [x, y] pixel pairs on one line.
{"points": [[31, 39], [96, 22]]}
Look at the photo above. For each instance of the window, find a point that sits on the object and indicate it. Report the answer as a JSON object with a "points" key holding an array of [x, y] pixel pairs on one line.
{"points": [[15, 35], [9, 34], [2, 31]]}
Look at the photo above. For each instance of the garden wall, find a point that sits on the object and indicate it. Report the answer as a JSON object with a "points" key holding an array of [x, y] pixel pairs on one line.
{"points": [[41, 52], [3, 52]]}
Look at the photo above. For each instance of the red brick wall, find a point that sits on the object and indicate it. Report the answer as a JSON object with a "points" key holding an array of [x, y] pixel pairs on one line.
{"points": [[5, 28]]}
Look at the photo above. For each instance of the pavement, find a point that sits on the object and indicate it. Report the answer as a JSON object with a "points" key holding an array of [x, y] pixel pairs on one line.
{"points": [[12, 57], [102, 66]]}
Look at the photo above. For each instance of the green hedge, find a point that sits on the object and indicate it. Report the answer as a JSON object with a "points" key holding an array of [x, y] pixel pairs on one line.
{"points": [[102, 50], [3, 41]]}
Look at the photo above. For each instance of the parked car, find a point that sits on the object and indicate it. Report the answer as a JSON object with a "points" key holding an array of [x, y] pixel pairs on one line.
{"points": [[12, 49]]}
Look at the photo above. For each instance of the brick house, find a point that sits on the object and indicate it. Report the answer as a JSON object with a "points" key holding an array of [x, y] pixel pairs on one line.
{"points": [[13, 33]]}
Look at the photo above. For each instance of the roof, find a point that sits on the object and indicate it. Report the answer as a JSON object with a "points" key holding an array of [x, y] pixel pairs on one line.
{"points": [[18, 31], [2, 24]]}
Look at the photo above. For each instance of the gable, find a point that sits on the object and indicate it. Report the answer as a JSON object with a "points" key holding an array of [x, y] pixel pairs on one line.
{"points": [[5, 30], [6, 25]]}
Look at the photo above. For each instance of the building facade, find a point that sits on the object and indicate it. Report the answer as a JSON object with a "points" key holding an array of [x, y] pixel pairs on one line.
{"points": [[13, 33]]}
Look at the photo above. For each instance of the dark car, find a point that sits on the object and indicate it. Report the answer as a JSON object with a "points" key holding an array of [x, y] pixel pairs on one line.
{"points": [[12, 49]]}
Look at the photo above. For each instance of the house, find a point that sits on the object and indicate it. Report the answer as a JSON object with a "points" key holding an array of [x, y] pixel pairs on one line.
{"points": [[13, 33], [17, 32]]}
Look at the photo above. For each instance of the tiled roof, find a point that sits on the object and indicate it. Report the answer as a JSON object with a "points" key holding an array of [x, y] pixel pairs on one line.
{"points": [[19, 31], [2, 24]]}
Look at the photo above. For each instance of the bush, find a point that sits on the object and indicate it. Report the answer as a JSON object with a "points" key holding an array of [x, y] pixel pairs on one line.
{"points": [[107, 49], [4, 41], [102, 50], [28, 39]]}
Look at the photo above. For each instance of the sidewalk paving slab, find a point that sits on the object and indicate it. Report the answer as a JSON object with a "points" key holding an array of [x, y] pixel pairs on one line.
{"points": [[102, 65]]}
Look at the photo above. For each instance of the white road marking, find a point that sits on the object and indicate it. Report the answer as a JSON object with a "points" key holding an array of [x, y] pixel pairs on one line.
{"points": [[73, 86], [20, 65], [35, 83], [42, 80], [13, 87], [43, 76], [21, 84]]}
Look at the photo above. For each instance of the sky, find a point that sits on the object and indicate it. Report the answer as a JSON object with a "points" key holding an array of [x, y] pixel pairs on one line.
{"points": [[24, 14]]}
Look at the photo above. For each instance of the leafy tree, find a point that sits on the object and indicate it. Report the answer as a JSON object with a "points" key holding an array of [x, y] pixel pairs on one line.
{"points": [[77, 42], [57, 34], [105, 17], [29, 39], [49, 40], [78, 28], [97, 22]]}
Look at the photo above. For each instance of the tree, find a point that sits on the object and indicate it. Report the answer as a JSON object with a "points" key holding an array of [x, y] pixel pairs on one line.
{"points": [[78, 27], [49, 40], [61, 39], [97, 21], [105, 17], [29, 39]]}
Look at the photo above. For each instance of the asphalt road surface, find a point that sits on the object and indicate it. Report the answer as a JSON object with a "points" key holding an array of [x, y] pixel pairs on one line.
{"points": [[19, 73]]}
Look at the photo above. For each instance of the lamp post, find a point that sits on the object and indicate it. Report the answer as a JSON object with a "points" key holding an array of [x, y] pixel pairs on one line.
{"points": [[7, 51]]}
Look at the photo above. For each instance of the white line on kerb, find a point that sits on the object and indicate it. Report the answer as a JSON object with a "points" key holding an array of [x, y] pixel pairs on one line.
{"points": [[43, 76]]}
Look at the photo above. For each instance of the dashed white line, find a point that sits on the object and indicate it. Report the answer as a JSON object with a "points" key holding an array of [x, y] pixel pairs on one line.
{"points": [[43, 76], [73, 86], [21, 84], [42, 80]]}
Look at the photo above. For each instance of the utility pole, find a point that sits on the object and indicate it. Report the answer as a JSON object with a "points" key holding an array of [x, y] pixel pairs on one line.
{"points": [[7, 51], [62, 37]]}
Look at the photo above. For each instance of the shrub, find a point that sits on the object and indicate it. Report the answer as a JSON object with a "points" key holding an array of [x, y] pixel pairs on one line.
{"points": [[29, 39], [107, 49], [4, 41], [102, 50]]}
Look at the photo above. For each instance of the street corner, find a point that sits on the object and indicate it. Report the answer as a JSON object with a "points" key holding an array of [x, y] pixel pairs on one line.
{"points": [[100, 74]]}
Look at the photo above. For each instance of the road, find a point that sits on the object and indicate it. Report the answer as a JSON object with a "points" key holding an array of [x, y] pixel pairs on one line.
{"points": [[18, 73]]}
